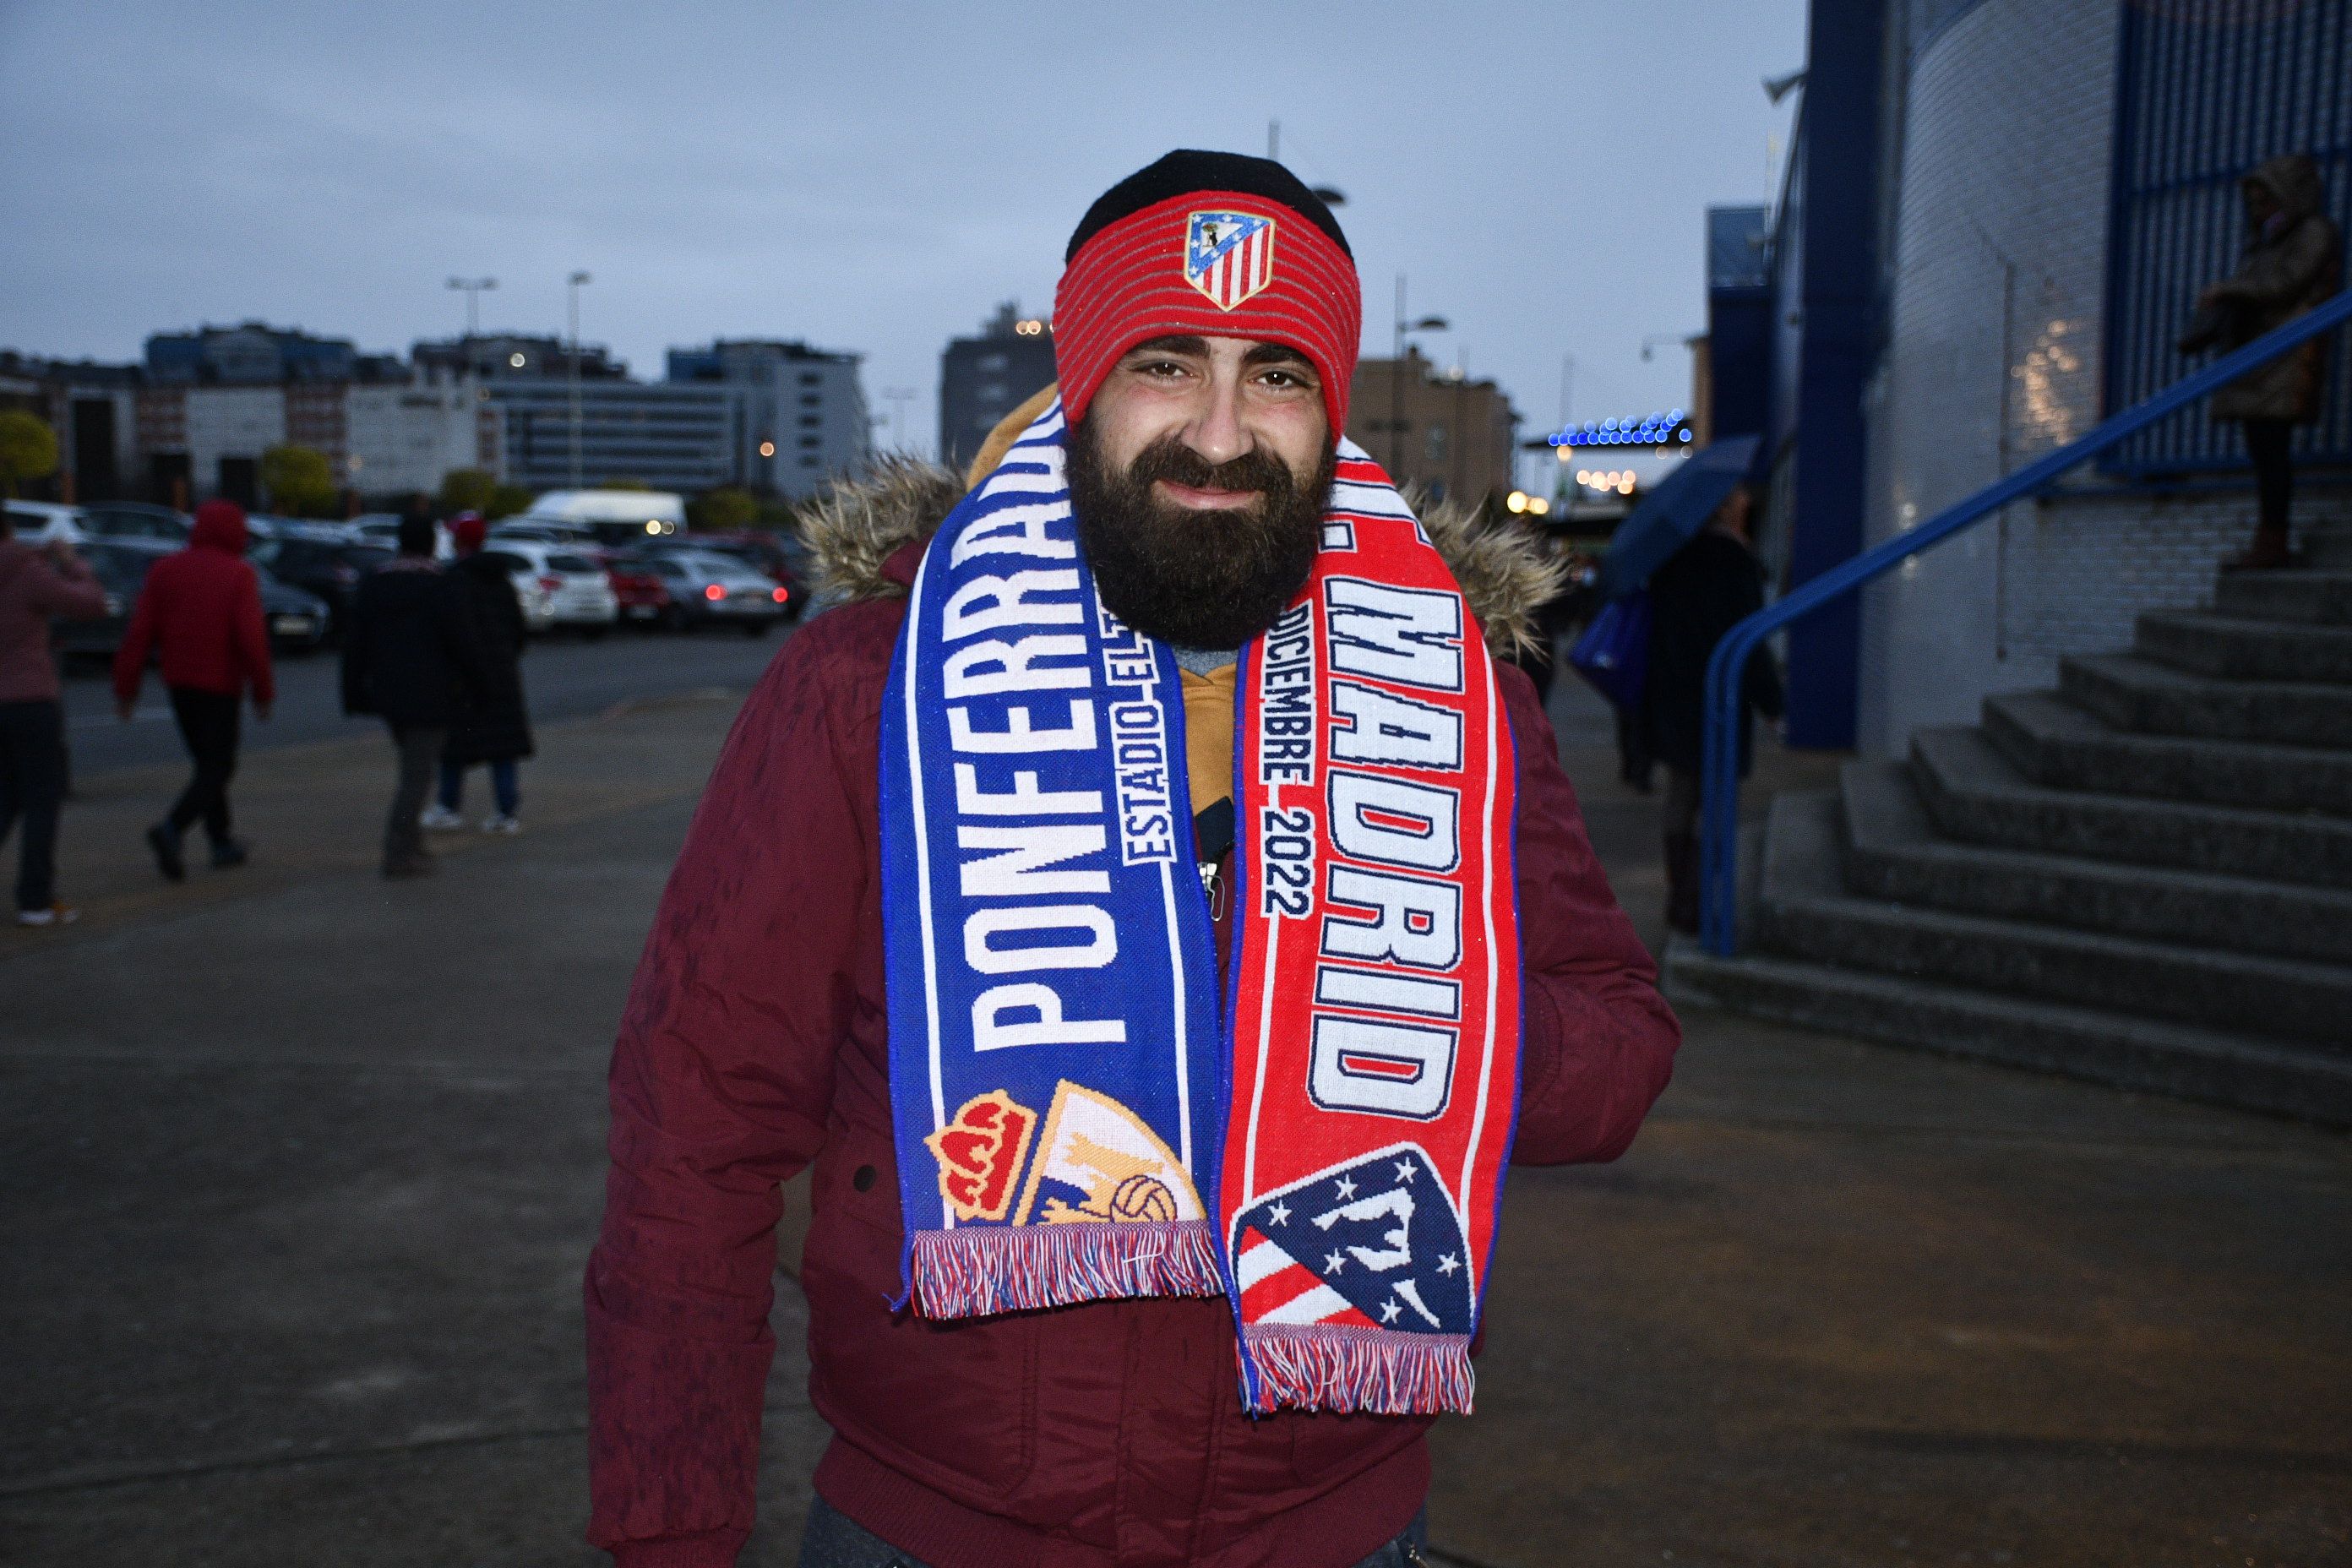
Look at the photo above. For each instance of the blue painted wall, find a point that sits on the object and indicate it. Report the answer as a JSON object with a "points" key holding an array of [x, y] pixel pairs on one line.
{"points": [[1837, 299]]}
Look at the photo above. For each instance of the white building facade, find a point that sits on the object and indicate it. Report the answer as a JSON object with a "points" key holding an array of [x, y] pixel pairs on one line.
{"points": [[2015, 120]]}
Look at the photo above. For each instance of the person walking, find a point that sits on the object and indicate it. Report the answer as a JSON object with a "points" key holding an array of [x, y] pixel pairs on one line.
{"points": [[1704, 589], [199, 612], [493, 727], [37, 584], [409, 657], [2293, 261]]}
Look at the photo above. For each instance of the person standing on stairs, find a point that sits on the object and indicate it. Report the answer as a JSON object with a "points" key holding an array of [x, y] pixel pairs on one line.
{"points": [[1708, 587], [2294, 261]]}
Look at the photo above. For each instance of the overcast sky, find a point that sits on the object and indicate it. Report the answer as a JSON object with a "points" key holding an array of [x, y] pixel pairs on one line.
{"points": [[871, 177]]}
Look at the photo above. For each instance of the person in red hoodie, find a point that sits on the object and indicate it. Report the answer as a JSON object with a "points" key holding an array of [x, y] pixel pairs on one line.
{"points": [[200, 615]]}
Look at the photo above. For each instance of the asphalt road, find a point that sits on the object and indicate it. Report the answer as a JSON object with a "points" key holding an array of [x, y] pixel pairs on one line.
{"points": [[565, 676]]}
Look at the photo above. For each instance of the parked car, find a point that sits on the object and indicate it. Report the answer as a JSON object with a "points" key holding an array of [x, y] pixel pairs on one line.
{"points": [[711, 589], [578, 595], [296, 620], [135, 519], [46, 522], [383, 528], [539, 532], [329, 566], [120, 566], [642, 592], [763, 553]]}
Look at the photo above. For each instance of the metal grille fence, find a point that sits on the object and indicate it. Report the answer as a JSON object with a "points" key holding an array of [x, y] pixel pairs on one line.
{"points": [[2208, 88]]}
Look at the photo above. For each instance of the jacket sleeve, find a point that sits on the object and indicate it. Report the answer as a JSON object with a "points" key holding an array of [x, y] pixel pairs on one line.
{"points": [[358, 635], [1598, 1041], [2286, 272], [721, 1085], [253, 641], [461, 640], [75, 593], [138, 639]]}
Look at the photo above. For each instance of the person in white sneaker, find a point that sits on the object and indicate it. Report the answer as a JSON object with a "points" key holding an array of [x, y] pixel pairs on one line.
{"points": [[494, 727], [37, 584]]}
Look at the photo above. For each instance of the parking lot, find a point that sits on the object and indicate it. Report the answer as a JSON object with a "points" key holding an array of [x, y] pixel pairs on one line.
{"points": [[566, 677], [298, 1171]]}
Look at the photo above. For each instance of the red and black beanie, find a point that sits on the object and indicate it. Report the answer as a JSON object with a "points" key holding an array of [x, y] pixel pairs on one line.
{"points": [[1210, 243]]}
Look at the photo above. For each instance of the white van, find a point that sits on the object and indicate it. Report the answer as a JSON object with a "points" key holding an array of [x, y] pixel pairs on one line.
{"points": [[613, 517]]}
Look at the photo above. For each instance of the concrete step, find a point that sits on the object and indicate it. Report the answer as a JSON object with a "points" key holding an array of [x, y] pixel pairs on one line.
{"points": [[2079, 1042], [2323, 598], [2207, 644], [1808, 914], [2133, 693], [1974, 794], [2327, 548], [2059, 744], [1894, 852]]}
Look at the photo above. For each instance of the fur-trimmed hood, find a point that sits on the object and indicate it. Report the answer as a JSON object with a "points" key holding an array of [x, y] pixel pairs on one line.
{"points": [[1506, 574]]}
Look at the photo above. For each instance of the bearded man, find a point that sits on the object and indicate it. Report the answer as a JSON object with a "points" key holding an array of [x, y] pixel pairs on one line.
{"points": [[1157, 919]]}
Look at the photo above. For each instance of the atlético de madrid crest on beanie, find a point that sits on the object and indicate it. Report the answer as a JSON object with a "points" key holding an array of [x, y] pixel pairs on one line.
{"points": [[1214, 244]]}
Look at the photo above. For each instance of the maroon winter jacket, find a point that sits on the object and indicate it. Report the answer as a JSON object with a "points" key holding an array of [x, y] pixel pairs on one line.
{"points": [[754, 1042], [200, 611]]}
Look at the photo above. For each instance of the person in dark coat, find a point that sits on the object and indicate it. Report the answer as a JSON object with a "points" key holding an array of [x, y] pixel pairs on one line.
{"points": [[1708, 587], [2293, 261], [494, 727], [409, 657]]}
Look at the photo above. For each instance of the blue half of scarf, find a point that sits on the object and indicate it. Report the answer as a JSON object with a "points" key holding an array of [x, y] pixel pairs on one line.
{"points": [[1059, 1061]]}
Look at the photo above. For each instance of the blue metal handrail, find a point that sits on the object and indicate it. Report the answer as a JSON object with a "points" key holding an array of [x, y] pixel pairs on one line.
{"points": [[1719, 840]]}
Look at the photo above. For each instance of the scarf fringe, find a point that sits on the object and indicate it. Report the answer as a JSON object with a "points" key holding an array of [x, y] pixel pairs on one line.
{"points": [[976, 1270], [1345, 1369]]}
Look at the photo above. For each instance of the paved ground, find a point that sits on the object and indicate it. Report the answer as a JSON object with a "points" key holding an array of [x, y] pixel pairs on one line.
{"points": [[297, 1171], [566, 677]]}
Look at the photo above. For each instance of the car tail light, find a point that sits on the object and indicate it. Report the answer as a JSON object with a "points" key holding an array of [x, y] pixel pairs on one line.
{"points": [[779, 596], [714, 592], [550, 584]]}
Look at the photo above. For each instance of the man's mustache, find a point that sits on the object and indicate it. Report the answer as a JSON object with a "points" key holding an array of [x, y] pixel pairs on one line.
{"points": [[1168, 459]]}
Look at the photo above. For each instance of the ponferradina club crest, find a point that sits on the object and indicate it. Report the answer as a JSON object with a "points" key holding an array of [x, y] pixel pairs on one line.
{"points": [[1228, 255]]}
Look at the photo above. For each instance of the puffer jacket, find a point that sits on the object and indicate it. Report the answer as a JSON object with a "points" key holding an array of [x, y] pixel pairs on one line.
{"points": [[493, 724], [2281, 276], [35, 590], [199, 612], [755, 1043], [409, 653]]}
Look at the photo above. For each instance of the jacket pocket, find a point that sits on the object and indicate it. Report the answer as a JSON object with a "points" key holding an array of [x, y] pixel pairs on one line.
{"points": [[952, 1405], [1327, 1449]]}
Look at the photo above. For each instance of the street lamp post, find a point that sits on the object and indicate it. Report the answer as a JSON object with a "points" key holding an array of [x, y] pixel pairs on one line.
{"points": [[576, 279], [473, 287], [1396, 379]]}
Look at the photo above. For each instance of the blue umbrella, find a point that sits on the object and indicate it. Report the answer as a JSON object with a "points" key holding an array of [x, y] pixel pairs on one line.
{"points": [[1668, 516]]}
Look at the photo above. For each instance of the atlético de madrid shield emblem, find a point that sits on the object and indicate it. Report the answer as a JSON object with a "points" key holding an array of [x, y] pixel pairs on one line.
{"points": [[1228, 255]]}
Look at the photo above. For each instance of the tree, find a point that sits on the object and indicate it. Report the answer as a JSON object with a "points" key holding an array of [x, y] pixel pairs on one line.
{"points": [[724, 511], [478, 489], [29, 449], [467, 489], [298, 482]]}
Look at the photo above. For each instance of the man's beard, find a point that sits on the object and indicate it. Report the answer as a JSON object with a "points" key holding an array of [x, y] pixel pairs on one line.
{"points": [[1198, 578]]}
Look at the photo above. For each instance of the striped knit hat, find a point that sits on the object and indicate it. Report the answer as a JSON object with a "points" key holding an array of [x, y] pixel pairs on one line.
{"points": [[1214, 244]]}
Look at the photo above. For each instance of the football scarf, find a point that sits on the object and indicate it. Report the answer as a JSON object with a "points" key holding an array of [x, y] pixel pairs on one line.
{"points": [[1081, 1111]]}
